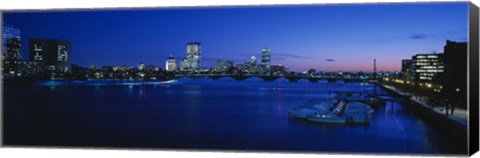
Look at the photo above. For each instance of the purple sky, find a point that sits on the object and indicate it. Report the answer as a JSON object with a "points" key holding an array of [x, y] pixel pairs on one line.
{"points": [[323, 37]]}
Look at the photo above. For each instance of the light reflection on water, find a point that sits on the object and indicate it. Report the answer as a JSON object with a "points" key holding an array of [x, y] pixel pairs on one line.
{"points": [[206, 113]]}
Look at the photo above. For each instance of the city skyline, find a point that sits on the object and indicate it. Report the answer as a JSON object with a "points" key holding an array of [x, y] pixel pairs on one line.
{"points": [[106, 38]]}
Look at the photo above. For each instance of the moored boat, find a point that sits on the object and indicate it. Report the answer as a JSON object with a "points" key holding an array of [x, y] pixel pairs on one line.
{"points": [[331, 117], [312, 106], [333, 111]]}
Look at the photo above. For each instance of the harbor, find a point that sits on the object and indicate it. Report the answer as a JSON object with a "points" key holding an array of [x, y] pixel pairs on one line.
{"points": [[341, 109]]}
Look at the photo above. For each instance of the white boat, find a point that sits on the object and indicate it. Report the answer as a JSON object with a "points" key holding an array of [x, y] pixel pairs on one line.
{"points": [[312, 106], [329, 111], [331, 117]]}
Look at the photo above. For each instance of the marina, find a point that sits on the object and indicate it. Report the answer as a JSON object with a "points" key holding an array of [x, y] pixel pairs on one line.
{"points": [[334, 110]]}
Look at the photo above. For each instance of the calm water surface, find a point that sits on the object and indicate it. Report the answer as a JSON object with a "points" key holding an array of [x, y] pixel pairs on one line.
{"points": [[207, 114]]}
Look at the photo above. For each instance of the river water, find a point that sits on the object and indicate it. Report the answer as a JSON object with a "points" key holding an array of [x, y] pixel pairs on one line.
{"points": [[223, 114]]}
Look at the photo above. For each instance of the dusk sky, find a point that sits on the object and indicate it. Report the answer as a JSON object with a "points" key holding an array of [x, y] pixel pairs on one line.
{"points": [[323, 37]]}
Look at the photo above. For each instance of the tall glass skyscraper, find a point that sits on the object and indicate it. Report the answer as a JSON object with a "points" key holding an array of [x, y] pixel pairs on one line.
{"points": [[266, 59], [193, 55], [219, 65], [9, 33]]}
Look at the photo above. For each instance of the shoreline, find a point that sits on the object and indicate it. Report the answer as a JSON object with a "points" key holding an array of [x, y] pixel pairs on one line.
{"points": [[458, 129]]}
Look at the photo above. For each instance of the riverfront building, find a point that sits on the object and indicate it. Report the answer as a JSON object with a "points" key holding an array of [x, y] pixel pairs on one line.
{"points": [[253, 60], [445, 74], [428, 67], [171, 64], [408, 70], [219, 65], [193, 55], [54, 55], [279, 69], [9, 32], [229, 64], [454, 83], [184, 65], [141, 67], [266, 59], [11, 50], [13, 55]]}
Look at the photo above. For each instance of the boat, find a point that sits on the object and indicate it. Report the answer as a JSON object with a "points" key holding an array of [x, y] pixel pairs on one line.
{"points": [[312, 106], [333, 111], [331, 117]]}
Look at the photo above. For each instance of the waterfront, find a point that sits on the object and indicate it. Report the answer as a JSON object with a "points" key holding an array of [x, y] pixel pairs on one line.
{"points": [[208, 114]]}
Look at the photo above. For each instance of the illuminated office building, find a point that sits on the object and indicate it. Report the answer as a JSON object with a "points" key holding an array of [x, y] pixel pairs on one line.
{"points": [[229, 63], [13, 54], [193, 55], [407, 70], [279, 69], [141, 67], [171, 64], [266, 59], [253, 60], [219, 65], [184, 65], [428, 67], [55, 55], [9, 32]]}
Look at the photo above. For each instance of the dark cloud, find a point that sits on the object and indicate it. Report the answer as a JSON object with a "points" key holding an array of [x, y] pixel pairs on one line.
{"points": [[291, 55], [329, 60], [420, 36]]}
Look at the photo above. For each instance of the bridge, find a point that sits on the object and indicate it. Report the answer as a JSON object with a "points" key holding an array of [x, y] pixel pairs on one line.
{"points": [[291, 78]]}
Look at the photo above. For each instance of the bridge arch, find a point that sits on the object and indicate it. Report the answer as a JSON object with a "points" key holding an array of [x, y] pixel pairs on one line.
{"points": [[204, 79], [254, 78], [185, 78], [226, 78], [323, 81], [281, 79], [303, 80]]}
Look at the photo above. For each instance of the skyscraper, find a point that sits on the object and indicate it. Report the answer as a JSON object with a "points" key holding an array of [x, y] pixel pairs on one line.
{"points": [[193, 55], [171, 64], [13, 54], [183, 65], [55, 55], [229, 64], [219, 65], [141, 66], [9, 32], [253, 60], [266, 59]]}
